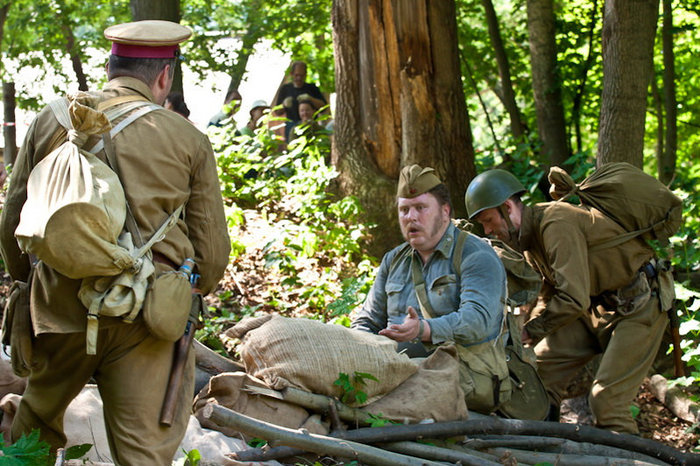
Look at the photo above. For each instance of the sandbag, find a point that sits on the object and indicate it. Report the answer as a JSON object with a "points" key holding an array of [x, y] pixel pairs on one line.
{"points": [[229, 390], [636, 201], [75, 207], [310, 355], [431, 393]]}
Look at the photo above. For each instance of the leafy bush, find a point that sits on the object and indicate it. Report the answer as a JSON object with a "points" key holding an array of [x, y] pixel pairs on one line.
{"points": [[314, 264]]}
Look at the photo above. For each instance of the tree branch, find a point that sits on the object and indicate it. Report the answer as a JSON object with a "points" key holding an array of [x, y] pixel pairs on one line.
{"points": [[318, 444]]}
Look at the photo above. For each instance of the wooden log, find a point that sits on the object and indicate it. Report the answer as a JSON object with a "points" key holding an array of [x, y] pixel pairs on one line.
{"points": [[494, 425], [674, 399], [555, 445], [213, 362], [431, 452], [318, 444], [533, 457]]}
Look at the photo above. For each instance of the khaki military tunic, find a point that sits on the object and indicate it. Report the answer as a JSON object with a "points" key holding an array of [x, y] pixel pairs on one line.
{"points": [[571, 324], [164, 161]]}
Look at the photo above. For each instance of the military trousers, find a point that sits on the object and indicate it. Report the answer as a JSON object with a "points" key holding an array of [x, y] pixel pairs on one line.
{"points": [[628, 345], [131, 369]]}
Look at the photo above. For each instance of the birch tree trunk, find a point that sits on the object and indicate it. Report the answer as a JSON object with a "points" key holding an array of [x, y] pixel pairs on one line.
{"points": [[629, 27], [399, 102]]}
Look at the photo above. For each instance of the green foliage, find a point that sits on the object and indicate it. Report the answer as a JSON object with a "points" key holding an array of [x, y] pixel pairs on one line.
{"points": [[29, 450], [634, 410], [38, 37], [191, 458], [77, 451], [351, 387], [378, 420], [301, 28], [257, 442], [291, 188]]}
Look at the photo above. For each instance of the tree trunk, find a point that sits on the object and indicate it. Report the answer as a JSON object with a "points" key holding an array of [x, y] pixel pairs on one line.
{"points": [[9, 130], [74, 55], [659, 110], [238, 70], [629, 27], [168, 10], [517, 127], [581, 88], [667, 163], [546, 82], [399, 102]]}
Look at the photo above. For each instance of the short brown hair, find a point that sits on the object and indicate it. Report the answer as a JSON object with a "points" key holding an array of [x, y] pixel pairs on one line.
{"points": [[145, 69]]}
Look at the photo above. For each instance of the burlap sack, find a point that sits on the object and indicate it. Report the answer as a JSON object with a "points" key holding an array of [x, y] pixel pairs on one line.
{"points": [[310, 355], [228, 389], [75, 206], [431, 393]]}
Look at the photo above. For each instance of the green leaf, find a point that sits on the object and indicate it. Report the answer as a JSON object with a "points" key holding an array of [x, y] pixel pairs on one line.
{"points": [[634, 409], [29, 450], [77, 451]]}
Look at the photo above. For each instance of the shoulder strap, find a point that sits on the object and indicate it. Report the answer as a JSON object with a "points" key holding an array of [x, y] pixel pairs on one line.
{"points": [[457, 255], [143, 107], [59, 107], [421, 293], [419, 282]]}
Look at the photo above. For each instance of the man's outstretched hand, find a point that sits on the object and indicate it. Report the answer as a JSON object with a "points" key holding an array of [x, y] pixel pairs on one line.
{"points": [[408, 330]]}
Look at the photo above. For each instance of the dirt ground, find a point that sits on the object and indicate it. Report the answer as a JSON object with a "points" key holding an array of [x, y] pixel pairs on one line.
{"points": [[655, 420]]}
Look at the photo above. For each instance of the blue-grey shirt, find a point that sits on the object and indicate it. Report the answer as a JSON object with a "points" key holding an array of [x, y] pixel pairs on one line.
{"points": [[468, 308]]}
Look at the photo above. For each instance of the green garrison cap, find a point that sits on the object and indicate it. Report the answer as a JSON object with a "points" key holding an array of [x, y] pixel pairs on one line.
{"points": [[415, 180]]}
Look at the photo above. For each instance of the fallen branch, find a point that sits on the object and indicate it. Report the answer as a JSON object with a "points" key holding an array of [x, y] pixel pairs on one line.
{"points": [[494, 425], [533, 457], [213, 362], [674, 399], [431, 452], [314, 402], [318, 444], [555, 445]]}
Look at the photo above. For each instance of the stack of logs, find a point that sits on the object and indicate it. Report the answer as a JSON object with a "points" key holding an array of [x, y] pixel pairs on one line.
{"points": [[481, 440]]}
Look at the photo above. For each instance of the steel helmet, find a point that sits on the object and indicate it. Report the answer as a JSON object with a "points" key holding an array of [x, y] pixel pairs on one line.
{"points": [[490, 189]]}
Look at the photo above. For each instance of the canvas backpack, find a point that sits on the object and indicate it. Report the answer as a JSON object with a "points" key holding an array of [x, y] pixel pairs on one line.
{"points": [[76, 210], [638, 202]]}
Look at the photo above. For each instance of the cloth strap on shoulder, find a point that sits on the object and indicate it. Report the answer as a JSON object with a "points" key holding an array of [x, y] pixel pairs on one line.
{"points": [[419, 281]]}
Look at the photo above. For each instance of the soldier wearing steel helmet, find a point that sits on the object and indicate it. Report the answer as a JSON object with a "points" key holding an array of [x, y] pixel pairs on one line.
{"points": [[164, 162], [463, 291], [592, 301]]}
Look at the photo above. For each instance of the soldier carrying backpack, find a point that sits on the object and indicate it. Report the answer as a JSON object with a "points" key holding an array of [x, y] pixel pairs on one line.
{"points": [[167, 170], [604, 290]]}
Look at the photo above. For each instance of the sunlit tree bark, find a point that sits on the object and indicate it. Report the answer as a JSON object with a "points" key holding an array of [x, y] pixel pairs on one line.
{"points": [[629, 27], [399, 102]]}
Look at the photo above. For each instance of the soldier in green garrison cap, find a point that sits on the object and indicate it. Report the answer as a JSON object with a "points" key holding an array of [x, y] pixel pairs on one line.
{"points": [[594, 300], [164, 163], [442, 286]]}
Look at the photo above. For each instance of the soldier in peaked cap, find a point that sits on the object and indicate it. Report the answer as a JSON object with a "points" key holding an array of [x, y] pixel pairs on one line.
{"points": [[441, 286], [163, 162]]}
